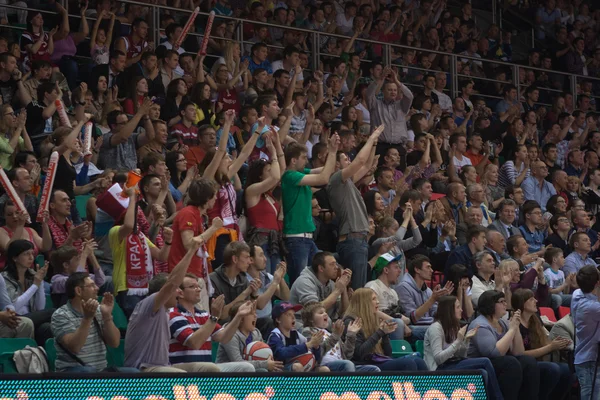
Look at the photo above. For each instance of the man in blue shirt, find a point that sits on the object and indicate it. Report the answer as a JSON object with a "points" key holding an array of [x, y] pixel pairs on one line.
{"points": [[533, 218], [476, 241], [258, 58], [585, 310], [536, 187], [581, 245]]}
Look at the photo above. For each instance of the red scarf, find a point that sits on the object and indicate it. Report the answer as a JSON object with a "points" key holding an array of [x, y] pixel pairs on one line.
{"points": [[139, 269]]}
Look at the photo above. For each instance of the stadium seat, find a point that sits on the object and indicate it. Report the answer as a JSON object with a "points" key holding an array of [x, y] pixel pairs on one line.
{"points": [[215, 348], [8, 346], [81, 203], [400, 348], [119, 317], [420, 345], [51, 353], [548, 312], [116, 357], [563, 311], [49, 302]]}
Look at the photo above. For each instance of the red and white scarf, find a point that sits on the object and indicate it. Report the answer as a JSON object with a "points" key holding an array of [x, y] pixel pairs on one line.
{"points": [[139, 267]]}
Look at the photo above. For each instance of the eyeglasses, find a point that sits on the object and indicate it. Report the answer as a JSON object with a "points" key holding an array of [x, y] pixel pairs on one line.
{"points": [[193, 287], [11, 114], [563, 220], [181, 160]]}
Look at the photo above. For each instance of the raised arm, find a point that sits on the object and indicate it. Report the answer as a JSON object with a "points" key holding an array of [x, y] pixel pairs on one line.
{"points": [[363, 155], [212, 168], [84, 28], [126, 131], [256, 189], [322, 178]]}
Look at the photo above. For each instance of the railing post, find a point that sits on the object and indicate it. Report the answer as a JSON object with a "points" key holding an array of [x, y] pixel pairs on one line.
{"points": [[239, 35], [387, 54], [516, 80], [453, 74], [316, 44], [500, 18], [573, 84], [494, 5], [156, 25]]}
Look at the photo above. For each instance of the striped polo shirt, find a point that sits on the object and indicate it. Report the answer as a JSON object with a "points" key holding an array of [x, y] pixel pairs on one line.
{"points": [[182, 325]]}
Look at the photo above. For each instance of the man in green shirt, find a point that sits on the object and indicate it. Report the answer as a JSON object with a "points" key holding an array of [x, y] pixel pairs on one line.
{"points": [[296, 191]]}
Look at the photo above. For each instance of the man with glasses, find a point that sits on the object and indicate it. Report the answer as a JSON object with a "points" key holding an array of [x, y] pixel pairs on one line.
{"points": [[207, 139], [536, 187], [533, 219], [83, 328], [559, 238]]}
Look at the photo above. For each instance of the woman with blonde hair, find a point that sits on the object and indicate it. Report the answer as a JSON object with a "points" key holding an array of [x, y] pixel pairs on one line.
{"points": [[493, 192], [372, 345], [555, 378]]}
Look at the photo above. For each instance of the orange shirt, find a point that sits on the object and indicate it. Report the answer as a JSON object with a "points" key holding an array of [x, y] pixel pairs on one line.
{"points": [[194, 156]]}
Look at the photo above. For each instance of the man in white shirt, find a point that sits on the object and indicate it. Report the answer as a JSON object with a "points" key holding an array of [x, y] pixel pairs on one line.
{"points": [[290, 59], [388, 271], [440, 84], [345, 21], [458, 145]]}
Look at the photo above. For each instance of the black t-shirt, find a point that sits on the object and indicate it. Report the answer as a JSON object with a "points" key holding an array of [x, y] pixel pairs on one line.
{"points": [[65, 176], [8, 90], [38, 128]]}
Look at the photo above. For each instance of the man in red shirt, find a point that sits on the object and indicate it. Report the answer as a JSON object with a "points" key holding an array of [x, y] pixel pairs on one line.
{"points": [[477, 153], [188, 223]]}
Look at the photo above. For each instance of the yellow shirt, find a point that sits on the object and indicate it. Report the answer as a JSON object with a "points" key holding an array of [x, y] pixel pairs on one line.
{"points": [[119, 254]]}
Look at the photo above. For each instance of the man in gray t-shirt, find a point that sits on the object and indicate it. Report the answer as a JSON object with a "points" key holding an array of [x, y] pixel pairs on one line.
{"points": [[119, 146], [349, 207], [148, 336]]}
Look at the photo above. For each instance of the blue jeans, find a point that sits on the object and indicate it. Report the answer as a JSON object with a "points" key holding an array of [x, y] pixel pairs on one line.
{"points": [[354, 254], [487, 370], [585, 375], [418, 332], [348, 366], [90, 370], [406, 363], [398, 334], [556, 380], [272, 259], [300, 254], [128, 303]]}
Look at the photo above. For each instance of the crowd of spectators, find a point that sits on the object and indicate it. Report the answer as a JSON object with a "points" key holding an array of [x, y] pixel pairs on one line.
{"points": [[325, 208]]}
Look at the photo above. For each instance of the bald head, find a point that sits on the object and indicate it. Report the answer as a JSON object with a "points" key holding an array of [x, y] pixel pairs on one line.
{"points": [[495, 241]]}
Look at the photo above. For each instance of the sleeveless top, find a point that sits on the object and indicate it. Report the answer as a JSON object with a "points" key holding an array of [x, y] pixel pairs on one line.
{"points": [[10, 235], [131, 49], [265, 213]]}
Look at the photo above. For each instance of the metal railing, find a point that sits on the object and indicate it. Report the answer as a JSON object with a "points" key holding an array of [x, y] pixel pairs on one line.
{"points": [[316, 51]]}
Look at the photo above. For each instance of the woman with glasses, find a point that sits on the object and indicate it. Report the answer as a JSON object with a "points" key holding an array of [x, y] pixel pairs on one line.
{"points": [[13, 135], [181, 176], [500, 340]]}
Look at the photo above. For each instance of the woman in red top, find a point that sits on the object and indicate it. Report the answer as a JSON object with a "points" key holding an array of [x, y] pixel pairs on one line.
{"points": [[15, 229], [262, 209], [218, 166], [37, 44], [135, 95]]}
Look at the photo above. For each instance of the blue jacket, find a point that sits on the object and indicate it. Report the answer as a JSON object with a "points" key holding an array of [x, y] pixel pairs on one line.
{"points": [[460, 255], [412, 297], [284, 353]]}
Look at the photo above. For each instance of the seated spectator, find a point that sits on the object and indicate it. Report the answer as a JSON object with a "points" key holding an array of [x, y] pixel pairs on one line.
{"points": [[559, 283], [555, 378], [66, 261], [193, 330], [63, 230], [113, 72], [476, 241], [41, 71], [247, 332], [505, 218], [530, 229], [417, 300], [453, 202], [459, 276], [40, 112], [560, 226], [25, 287], [288, 343], [388, 271], [11, 324], [258, 58], [501, 341], [488, 277], [536, 187], [320, 283], [83, 328], [150, 320], [335, 352], [446, 345], [582, 246], [272, 285], [372, 345]]}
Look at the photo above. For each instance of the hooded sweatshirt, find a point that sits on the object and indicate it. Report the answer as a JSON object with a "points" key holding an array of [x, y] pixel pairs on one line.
{"points": [[307, 288], [412, 297]]}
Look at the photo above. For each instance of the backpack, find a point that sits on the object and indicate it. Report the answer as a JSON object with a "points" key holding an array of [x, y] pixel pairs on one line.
{"points": [[31, 360]]}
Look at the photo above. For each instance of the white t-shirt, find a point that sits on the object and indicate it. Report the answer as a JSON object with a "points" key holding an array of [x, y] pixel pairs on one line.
{"points": [[458, 164], [387, 296]]}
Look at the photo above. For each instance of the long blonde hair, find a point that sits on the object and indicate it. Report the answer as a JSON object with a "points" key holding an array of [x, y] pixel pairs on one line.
{"points": [[361, 307]]}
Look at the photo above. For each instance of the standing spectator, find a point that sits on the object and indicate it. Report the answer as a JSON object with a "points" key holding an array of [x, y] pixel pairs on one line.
{"points": [[391, 110], [296, 185], [135, 44], [35, 43], [101, 38], [40, 112]]}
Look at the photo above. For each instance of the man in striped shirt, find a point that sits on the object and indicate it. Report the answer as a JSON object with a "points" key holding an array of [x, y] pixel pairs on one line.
{"points": [[193, 330]]}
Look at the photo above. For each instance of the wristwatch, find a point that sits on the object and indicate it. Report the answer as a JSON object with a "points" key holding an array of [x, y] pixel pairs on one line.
{"points": [[213, 318]]}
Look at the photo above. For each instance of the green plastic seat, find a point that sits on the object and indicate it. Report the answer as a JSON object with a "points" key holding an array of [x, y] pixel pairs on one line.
{"points": [[51, 353], [420, 345], [8, 347], [119, 317], [116, 357], [400, 348], [81, 204], [49, 303], [215, 348]]}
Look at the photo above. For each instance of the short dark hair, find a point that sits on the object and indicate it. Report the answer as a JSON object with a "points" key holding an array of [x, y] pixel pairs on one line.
{"points": [[474, 231], [62, 255], [116, 54], [487, 302], [529, 206], [294, 150], [416, 262], [511, 243], [157, 282], [319, 259], [75, 280], [43, 88], [201, 191], [289, 50], [171, 28], [149, 160], [551, 253], [587, 278]]}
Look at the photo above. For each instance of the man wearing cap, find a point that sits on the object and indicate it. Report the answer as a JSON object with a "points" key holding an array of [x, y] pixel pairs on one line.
{"points": [[287, 342], [387, 272], [349, 206], [320, 283]]}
